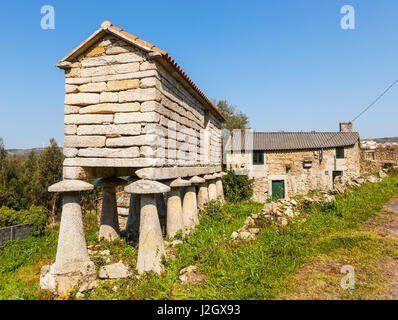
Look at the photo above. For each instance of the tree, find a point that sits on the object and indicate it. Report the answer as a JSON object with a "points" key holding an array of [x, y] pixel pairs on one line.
{"points": [[234, 119], [3, 154], [29, 181], [49, 172], [10, 184]]}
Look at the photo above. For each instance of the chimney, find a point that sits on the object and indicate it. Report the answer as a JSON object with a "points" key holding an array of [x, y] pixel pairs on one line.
{"points": [[346, 127]]}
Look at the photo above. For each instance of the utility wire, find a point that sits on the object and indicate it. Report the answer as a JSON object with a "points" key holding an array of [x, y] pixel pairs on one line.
{"points": [[374, 102], [368, 107], [364, 110]]}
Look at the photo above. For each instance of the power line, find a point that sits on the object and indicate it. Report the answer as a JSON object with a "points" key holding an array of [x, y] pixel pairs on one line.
{"points": [[367, 108], [374, 102]]}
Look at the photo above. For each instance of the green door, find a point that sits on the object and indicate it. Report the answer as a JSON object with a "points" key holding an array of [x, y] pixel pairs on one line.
{"points": [[336, 174], [278, 189]]}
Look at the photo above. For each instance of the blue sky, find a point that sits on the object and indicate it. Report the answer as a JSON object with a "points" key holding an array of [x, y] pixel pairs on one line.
{"points": [[286, 63]]}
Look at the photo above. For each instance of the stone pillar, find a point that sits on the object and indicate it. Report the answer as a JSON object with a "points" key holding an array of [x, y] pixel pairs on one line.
{"points": [[109, 228], [211, 187], [133, 220], [197, 181], [203, 194], [151, 245], [174, 207], [160, 204], [72, 263], [190, 209], [219, 186]]}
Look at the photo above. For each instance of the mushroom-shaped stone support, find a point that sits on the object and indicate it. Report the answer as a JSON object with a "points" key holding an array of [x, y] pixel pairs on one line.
{"points": [[190, 208], [198, 181], [174, 207], [109, 228], [203, 193], [72, 262], [151, 245], [133, 220], [161, 205], [211, 186], [219, 186]]}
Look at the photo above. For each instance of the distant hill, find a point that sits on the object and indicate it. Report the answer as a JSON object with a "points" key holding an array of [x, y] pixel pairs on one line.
{"points": [[23, 153], [384, 140]]}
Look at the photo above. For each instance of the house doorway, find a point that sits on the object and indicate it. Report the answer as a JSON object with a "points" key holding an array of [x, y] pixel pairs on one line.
{"points": [[278, 189], [336, 174]]}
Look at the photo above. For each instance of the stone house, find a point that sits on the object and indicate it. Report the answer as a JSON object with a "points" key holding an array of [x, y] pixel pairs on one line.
{"points": [[132, 115], [285, 164]]}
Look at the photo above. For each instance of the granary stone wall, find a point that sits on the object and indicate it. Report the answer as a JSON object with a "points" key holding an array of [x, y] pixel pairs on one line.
{"points": [[192, 134], [301, 170], [118, 105]]}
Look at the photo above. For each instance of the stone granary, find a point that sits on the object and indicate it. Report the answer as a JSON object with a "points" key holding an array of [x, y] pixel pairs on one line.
{"points": [[131, 111], [285, 164]]}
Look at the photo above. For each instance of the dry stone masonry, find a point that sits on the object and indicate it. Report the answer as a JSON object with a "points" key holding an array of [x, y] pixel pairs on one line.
{"points": [[295, 162], [132, 117], [283, 211]]}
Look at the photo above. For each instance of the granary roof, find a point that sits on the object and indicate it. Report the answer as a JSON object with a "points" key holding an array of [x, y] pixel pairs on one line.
{"points": [[108, 27], [279, 141]]}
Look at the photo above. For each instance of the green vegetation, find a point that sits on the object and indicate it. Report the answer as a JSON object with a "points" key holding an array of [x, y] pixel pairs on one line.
{"points": [[24, 181], [237, 187], [263, 268], [36, 218], [20, 265], [234, 119]]}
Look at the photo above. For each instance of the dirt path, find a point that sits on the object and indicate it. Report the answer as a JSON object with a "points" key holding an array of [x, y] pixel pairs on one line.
{"points": [[375, 260], [392, 228], [393, 208]]}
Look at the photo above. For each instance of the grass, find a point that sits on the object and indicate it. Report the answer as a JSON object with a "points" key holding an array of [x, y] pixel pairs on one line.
{"points": [[279, 264], [20, 264]]}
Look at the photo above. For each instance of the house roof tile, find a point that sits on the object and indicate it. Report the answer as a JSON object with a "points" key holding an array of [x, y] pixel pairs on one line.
{"points": [[280, 141]]}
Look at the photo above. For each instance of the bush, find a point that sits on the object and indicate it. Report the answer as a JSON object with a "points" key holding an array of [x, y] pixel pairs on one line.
{"points": [[237, 187], [36, 218]]}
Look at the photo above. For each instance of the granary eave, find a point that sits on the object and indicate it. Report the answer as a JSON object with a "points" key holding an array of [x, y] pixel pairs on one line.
{"points": [[154, 52]]}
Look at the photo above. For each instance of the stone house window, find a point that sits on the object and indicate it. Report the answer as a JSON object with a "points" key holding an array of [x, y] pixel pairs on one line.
{"points": [[258, 157], [340, 153]]}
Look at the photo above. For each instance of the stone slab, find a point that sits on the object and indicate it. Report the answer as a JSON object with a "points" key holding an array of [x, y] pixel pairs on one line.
{"points": [[70, 186], [111, 162], [175, 172], [147, 187]]}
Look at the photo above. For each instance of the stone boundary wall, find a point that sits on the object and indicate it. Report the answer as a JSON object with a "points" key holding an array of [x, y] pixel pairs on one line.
{"points": [[374, 160], [386, 154], [18, 232]]}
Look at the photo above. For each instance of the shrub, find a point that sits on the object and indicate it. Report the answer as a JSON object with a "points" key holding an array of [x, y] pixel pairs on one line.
{"points": [[237, 187], [36, 218]]}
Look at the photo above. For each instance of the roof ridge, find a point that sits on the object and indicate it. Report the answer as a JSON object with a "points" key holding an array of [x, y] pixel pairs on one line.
{"points": [[306, 132]]}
